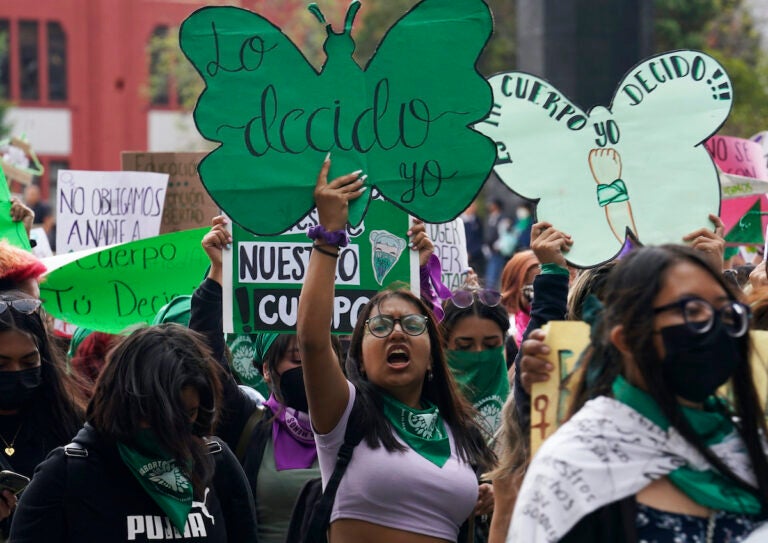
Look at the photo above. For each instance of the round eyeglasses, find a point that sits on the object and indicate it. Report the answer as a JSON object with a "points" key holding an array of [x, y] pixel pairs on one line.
{"points": [[464, 298], [383, 325], [27, 306], [700, 315]]}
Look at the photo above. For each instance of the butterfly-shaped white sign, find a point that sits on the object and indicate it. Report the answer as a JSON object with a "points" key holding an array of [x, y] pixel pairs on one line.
{"points": [[638, 167]]}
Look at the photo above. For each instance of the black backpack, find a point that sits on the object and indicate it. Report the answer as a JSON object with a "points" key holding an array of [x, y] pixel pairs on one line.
{"points": [[311, 513]]}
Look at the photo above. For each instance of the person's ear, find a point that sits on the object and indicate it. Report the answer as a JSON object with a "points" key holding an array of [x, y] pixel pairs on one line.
{"points": [[265, 373], [619, 340]]}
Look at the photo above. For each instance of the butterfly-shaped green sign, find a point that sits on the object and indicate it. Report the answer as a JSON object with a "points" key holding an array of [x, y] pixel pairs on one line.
{"points": [[404, 119], [639, 168]]}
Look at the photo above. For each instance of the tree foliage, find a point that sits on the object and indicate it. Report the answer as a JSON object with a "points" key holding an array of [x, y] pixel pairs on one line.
{"points": [[726, 30]]}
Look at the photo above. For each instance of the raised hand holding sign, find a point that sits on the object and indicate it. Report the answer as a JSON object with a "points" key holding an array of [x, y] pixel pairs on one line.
{"points": [[276, 117]]}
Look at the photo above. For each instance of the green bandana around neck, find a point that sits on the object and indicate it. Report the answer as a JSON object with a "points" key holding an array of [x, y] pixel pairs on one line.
{"points": [[160, 477], [482, 376], [713, 426], [423, 430]]}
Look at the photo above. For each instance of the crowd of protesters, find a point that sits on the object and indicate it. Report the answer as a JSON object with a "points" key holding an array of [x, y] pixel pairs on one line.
{"points": [[418, 423]]}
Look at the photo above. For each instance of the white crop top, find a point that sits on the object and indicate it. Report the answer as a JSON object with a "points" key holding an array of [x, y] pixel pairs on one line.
{"points": [[400, 490]]}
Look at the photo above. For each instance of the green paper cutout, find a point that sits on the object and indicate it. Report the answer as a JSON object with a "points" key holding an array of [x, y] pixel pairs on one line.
{"points": [[650, 138], [404, 120], [749, 229], [13, 232], [127, 284]]}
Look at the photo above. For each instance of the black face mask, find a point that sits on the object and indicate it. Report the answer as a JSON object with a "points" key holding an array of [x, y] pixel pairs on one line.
{"points": [[292, 389], [697, 364], [17, 388]]}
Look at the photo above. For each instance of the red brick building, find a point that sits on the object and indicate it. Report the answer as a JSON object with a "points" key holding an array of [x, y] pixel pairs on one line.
{"points": [[76, 73]]}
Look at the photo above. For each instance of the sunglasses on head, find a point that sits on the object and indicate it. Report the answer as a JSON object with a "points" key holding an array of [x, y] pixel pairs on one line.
{"points": [[464, 298], [27, 306]]}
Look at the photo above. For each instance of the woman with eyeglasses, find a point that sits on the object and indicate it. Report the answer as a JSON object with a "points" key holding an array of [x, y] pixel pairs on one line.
{"points": [[40, 408], [412, 477], [652, 453]]}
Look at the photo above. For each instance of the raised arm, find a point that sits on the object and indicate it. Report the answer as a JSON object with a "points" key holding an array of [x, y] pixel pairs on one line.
{"points": [[326, 386]]}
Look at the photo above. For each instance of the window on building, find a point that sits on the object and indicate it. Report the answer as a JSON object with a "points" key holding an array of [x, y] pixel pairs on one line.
{"points": [[57, 63], [29, 68], [5, 65], [37, 71], [159, 67]]}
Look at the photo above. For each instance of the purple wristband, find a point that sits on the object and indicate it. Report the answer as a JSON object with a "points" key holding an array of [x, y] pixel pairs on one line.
{"points": [[338, 238]]}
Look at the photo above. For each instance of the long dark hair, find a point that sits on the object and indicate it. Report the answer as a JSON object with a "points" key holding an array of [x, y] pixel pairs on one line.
{"points": [[441, 390], [630, 291], [59, 405], [141, 386]]}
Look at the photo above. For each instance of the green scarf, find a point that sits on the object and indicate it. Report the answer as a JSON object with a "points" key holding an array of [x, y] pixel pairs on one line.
{"points": [[612, 193], [482, 376], [423, 430], [160, 477], [713, 426]]}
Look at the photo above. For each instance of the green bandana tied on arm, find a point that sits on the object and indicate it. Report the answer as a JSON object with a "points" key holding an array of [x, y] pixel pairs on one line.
{"points": [[713, 426], [422, 430], [613, 193], [160, 477], [482, 377]]}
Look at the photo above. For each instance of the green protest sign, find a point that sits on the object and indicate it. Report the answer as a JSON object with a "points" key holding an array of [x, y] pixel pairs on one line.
{"points": [[13, 232], [404, 119], [126, 284], [637, 168], [265, 274]]}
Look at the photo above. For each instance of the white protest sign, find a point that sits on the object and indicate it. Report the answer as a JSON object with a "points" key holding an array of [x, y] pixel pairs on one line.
{"points": [[42, 248], [451, 248], [96, 209]]}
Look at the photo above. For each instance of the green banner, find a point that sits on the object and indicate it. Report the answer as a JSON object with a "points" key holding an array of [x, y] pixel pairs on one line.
{"points": [[127, 284], [13, 232], [265, 274], [404, 119]]}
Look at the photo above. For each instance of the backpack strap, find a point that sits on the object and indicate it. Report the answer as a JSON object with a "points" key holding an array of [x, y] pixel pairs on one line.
{"points": [[321, 515], [245, 435]]}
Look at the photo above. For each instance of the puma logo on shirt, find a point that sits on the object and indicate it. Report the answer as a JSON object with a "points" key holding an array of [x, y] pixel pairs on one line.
{"points": [[158, 528]]}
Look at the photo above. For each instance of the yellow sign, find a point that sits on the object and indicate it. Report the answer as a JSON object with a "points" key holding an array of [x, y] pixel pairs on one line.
{"points": [[549, 400]]}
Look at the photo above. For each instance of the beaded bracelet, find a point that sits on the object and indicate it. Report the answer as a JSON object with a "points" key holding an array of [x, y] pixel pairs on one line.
{"points": [[338, 238], [325, 252]]}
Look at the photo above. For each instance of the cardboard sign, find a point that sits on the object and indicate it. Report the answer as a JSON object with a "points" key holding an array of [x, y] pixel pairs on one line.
{"points": [[97, 209], [403, 119], [451, 248], [759, 362], [265, 274], [602, 174], [111, 289], [738, 156], [187, 204], [550, 399]]}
